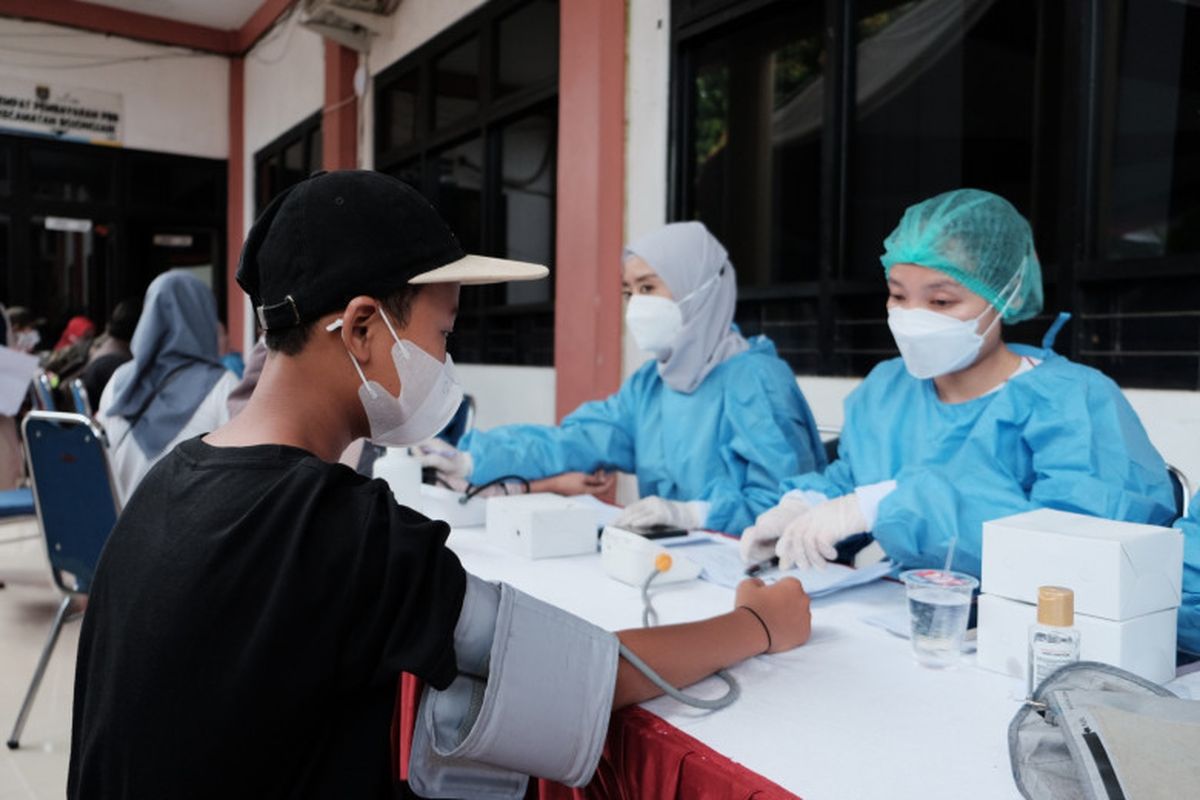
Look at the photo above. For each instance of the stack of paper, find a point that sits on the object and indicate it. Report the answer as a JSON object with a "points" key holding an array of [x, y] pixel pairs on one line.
{"points": [[723, 565]]}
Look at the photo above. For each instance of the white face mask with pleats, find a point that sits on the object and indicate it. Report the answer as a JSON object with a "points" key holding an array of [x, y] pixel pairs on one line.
{"points": [[934, 344], [429, 394]]}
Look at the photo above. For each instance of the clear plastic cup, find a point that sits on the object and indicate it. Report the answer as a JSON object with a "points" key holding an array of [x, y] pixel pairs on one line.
{"points": [[939, 604]]}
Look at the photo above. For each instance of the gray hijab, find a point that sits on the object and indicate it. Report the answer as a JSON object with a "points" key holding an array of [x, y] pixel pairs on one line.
{"points": [[696, 269], [175, 361]]}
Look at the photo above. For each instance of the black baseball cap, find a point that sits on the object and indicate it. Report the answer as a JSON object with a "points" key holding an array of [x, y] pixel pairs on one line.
{"points": [[337, 235]]}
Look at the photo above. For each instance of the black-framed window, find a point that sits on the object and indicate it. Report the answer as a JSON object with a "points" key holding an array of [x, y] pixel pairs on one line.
{"points": [[83, 227], [839, 114], [288, 159], [470, 119]]}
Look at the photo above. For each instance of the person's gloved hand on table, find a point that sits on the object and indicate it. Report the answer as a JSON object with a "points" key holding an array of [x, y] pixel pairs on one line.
{"points": [[811, 539], [445, 458], [655, 510], [758, 541]]}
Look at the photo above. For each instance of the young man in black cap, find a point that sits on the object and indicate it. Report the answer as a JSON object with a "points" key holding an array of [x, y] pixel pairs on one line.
{"points": [[257, 602]]}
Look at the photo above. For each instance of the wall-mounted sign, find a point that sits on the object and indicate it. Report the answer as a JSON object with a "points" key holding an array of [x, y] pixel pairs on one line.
{"points": [[64, 112], [68, 224], [172, 240]]}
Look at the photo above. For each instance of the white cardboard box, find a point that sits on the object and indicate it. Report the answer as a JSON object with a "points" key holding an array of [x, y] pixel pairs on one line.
{"points": [[1143, 645], [1118, 570], [543, 525]]}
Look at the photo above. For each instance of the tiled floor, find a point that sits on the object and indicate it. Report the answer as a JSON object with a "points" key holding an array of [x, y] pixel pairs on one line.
{"points": [[27, 606]]}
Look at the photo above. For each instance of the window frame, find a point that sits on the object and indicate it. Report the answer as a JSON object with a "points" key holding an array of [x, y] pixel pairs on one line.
{"points": [[1072, 266], [488, 123]]}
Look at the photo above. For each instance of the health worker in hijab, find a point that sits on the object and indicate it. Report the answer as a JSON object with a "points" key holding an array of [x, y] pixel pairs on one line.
{"points": [[710, 425]]}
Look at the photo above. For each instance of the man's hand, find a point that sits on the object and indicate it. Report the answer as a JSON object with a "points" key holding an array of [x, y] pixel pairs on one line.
{"points": [[783, 607]]}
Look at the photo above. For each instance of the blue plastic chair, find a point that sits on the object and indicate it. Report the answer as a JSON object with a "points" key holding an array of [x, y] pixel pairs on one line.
{"points": [[77, 506], [79, 395], [43, 392]]}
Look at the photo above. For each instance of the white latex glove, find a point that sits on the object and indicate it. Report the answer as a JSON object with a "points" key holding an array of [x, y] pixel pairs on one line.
{"points": [[758, 541], [445, 458], [811, 539], [657, 511]]}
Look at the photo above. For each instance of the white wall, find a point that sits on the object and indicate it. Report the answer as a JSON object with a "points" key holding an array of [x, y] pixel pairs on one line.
{"points": [[506, 395], [283, 83], [173, 100], [647, 105]]}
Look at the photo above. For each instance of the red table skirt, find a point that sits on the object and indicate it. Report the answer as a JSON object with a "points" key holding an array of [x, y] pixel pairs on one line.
{"points": [[644, 758]]}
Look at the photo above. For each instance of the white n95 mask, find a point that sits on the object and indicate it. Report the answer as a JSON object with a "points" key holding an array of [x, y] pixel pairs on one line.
{"points": [[429, 394], [934, 344], [654, 322]]}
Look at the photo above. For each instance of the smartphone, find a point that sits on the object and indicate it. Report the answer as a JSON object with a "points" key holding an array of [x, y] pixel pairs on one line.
{"points": [[657, 531]]}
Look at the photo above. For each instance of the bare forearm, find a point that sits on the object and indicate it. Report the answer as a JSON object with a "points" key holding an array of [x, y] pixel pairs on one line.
{"points": [[684, 654]]}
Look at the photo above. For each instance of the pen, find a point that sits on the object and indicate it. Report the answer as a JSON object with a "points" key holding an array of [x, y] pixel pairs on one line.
{"points": [[762, 566]]}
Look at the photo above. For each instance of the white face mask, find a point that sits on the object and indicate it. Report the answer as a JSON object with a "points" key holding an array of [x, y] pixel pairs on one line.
{"points": [[934, 344], [27, 340], [654, 322], [429, 394]]}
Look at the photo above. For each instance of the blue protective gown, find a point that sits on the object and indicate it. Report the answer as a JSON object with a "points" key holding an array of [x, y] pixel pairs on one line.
{"points": [[1189, 609], [729, 443], [1059, 436]]}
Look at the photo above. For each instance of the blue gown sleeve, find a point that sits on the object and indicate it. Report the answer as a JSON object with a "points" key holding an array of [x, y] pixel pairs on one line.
{"points": [[774, 436], [597, 434], [1089, 455], [1189, 609]]}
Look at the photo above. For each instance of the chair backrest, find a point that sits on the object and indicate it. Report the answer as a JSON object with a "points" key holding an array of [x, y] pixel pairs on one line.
{"points": [[1182, 488], [43, 392], [73, 492], [79, 394], [461, 423]]}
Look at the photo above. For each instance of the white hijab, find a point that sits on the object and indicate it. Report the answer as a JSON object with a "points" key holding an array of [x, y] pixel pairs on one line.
{"points": [[696, 269]]}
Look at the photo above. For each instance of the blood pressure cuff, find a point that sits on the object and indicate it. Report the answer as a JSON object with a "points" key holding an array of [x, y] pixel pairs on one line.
{"points": [[533, 697]]}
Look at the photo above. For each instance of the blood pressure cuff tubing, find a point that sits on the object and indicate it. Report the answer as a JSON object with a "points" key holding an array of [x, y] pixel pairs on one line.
{"points": [[533, 697]]}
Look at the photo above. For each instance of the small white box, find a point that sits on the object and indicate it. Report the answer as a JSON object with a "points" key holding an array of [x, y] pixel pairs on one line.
{"points": [[1118, 570], [543, 525], [1143, 645]]}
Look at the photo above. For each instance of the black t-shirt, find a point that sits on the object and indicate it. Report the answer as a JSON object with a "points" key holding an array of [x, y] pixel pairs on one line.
{"points": [[250, 616]]}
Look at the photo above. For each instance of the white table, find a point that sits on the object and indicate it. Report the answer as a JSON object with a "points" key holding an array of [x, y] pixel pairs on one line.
{"points": [[849, 715]]}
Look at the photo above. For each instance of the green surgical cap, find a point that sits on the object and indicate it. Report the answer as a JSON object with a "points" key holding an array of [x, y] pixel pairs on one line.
{"points": [[978, 239]]}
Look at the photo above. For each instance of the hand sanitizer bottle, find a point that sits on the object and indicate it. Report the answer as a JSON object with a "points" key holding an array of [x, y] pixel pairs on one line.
{"points": [[1053, 643]]}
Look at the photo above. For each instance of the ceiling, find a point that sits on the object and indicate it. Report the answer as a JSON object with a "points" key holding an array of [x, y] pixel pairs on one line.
{"points": [[221, 14]]}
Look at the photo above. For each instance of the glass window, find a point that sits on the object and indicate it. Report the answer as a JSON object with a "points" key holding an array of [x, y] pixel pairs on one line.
{"points": [[947, 97], [528, 47], [316, 154], [525, 228], [410, 173], [171, 183], [456, 84], [399, 111], [1150, 174], [757, 103], [70, 176], [458, 191]]}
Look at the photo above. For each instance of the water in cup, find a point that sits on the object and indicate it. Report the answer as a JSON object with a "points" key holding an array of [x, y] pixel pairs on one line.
{"points": [[939, 603]]}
